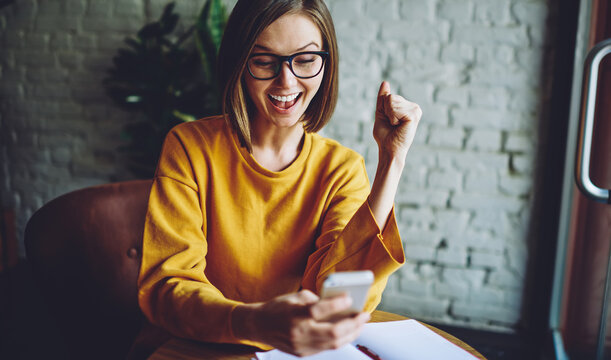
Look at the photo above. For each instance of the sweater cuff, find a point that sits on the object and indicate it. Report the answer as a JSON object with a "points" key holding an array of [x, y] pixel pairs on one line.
{"points": [[390, 237], [237, 340], [362, 238]]}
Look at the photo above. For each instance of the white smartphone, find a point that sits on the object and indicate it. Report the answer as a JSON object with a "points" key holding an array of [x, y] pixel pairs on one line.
{"points": [[354, 283]]}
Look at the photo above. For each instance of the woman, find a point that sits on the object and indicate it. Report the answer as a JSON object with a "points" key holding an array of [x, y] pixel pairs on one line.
{"points": [[250, 211]]}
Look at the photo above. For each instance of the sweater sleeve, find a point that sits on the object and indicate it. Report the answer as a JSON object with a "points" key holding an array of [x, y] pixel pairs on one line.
{"points": [[351, 239], [174, 292]]}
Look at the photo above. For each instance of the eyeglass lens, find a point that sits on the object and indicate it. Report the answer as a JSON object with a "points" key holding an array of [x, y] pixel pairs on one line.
{"points": [[303, 65]]}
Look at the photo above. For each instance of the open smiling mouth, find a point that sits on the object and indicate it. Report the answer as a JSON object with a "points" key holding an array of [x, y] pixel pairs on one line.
{"points": [[284, 102]]}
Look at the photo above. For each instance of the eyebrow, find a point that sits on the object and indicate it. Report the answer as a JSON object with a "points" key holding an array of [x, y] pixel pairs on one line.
{"points": [[264, 48]]}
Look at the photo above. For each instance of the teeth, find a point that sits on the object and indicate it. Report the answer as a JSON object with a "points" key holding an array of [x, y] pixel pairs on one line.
{"points": [[284, 98]]}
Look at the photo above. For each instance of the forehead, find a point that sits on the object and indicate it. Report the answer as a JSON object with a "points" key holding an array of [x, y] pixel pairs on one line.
{"points": [[290, 32]]}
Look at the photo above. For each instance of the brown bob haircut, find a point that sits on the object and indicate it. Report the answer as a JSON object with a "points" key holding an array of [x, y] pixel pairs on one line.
{"points": [[247, 20]]}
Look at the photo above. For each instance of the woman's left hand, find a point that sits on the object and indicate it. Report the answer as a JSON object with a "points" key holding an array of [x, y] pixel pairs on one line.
{"points": [[299, 323], [396, 120]]}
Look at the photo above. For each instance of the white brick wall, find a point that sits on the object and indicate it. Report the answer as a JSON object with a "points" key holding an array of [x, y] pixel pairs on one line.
{"points": [[463, 203]]}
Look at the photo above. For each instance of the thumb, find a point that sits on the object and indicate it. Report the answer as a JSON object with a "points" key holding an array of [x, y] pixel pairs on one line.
{"points": [[384, 89], [307, 297], [382, 93]]}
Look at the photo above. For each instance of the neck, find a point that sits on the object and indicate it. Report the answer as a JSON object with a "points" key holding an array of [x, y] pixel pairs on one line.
{"points": [[275, 148]]}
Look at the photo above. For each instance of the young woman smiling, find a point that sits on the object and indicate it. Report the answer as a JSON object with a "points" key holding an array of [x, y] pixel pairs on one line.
{"points": [[251, 210]]}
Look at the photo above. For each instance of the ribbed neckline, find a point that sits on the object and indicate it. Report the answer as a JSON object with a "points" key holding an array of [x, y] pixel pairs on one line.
{"points": [[295, 167]]}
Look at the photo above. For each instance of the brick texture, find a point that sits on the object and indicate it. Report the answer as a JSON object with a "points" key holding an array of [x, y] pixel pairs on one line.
{"points": [[474, 66]]}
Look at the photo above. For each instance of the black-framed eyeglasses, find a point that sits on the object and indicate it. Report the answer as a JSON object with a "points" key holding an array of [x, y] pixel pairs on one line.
{"points": [[304, 65]]}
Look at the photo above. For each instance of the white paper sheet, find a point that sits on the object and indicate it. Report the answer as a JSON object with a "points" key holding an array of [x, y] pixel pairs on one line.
{"points": [[347, 352], [409, 340], [391, 340]]}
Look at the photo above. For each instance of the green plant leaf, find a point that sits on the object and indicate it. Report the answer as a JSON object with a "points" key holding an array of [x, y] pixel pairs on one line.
{"points": [[184, 117], [133, 43], [163, 79], [210, 26], [152, 30], [211, 23], [168, 12]]}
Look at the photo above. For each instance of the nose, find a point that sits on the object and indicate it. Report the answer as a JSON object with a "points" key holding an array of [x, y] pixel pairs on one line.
{"points": [[286, 76]]}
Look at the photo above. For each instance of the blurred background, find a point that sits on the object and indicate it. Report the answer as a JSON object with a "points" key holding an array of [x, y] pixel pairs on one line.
{"points": [[483, 201]]}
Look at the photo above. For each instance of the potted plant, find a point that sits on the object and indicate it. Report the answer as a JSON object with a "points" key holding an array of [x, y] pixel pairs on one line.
{"points": [[164, 79]]}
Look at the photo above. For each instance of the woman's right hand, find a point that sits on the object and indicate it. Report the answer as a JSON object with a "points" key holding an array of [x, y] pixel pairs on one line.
{"points": [[298, 323]]}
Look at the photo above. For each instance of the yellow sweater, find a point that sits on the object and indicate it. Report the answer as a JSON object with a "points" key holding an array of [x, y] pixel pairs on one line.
{"points": [[221, 230]]}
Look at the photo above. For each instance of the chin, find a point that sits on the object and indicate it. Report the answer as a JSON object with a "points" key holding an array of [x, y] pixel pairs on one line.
{"points": [[285, 122]]}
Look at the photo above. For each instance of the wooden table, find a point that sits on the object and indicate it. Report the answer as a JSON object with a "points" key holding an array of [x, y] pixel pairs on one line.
{"points": [[192, 350]]}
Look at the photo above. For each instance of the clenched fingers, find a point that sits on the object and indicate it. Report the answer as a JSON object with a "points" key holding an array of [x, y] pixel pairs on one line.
{"points": [[326, 308], [397, 109], [327, 335]]}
